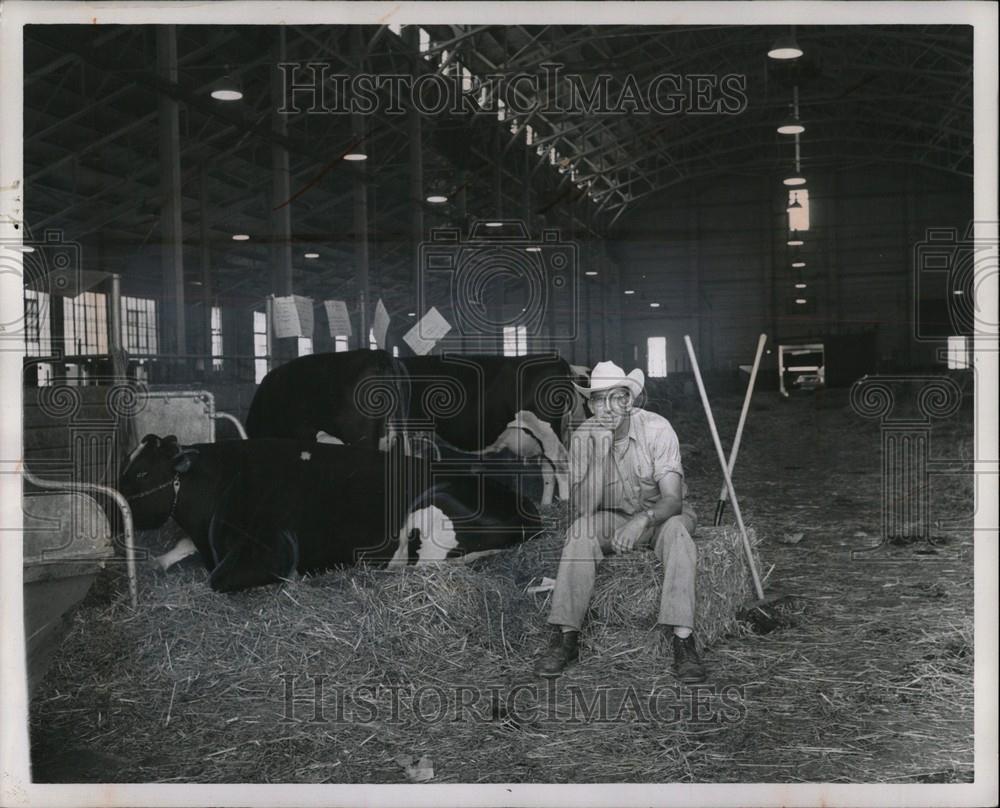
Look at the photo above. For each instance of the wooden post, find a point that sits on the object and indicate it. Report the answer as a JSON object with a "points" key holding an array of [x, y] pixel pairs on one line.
{"points": [[206, 270], [174, 330], [411, 34], [281, 210], [360, 203]]}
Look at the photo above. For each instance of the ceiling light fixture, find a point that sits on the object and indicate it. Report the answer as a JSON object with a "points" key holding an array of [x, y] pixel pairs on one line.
{"points": [[355, 157], [226, 88], [630, 291], [590, 272], [494, 224], [794, 181], [654, 305], [800, 285], [785, 47], [798, 264], [795, 242], [437, 199], [311, 255], [532, 249], [241, 237], [800, 300], [791, 127]]}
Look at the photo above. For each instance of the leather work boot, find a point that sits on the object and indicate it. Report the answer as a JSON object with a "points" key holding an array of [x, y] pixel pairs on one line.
{"points": [[563, 651], [687, 663]]}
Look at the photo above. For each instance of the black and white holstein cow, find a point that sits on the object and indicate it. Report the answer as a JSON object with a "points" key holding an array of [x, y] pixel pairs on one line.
{"points": [[488, 404], [258, 511]]}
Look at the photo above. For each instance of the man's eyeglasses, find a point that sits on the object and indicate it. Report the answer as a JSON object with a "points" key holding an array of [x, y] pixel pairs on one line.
{"points": [[614, 400]]}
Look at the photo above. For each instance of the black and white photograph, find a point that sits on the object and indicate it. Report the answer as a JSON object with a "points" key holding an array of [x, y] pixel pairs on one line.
{"points": [[498, 403]]}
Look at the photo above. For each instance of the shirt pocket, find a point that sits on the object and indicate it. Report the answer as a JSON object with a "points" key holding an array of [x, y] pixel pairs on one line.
{"points": [[642, 466]]}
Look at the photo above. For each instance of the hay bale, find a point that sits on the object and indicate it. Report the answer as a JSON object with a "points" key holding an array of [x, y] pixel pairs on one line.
{"points": [[627, 590]]}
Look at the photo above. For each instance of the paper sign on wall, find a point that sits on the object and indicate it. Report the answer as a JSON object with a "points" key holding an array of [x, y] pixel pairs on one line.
{"points": [[381, 324], [338, 318], [292, 316], [426, 333]]}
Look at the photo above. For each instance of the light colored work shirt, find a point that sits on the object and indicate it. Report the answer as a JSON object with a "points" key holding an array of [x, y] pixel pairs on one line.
{"points": [[637, 463]]}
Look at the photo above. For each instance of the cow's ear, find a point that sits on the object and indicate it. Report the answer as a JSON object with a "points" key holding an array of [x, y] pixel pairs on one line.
{"points": [[150, 438], [184, 460]]}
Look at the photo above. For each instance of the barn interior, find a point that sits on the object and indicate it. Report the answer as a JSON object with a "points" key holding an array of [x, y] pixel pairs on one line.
{"points": [[189, 188]]}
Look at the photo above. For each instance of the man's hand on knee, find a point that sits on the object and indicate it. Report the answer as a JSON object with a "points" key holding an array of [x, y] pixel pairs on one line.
{"points": [[627, 536]]}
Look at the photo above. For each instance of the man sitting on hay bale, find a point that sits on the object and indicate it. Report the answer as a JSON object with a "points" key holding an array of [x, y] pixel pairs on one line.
{"points": [[626, 493]]}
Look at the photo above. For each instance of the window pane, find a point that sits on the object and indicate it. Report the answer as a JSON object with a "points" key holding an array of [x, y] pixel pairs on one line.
{"points": [[509, 341], [958, 353], [139, 325], [259, 345], [217, 350], [656, 357], [340, 344]]}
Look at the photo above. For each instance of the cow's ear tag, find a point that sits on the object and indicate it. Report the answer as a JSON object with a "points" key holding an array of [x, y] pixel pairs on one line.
{"points": [[184, 461]]}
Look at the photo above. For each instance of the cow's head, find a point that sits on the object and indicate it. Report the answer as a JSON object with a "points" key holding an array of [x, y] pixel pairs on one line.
{"points": [[147, 481]]}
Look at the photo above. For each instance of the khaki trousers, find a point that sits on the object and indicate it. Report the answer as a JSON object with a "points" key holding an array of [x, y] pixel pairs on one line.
{"points": [[587, 541]]}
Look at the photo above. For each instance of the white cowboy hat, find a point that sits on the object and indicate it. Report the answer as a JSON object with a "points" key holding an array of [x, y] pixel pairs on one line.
{"points": [[607, 375]]}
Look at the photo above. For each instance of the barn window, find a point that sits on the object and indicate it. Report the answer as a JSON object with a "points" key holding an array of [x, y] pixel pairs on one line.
{"points": [[259, 346], [656, 357], [37, 331], [216, 338], [372, 342], [515, 340], [339, 343], [958, 353], [396, 28], [139, 325], [395, 350], [425, 42], [305, 346], [798, 209], [85, 324]]}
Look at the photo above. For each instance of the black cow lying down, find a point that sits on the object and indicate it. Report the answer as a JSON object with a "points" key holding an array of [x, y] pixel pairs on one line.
{"points": [[258, 511]]}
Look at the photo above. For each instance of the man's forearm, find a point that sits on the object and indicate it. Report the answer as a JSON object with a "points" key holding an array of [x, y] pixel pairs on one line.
{"points": [[664, 508]]}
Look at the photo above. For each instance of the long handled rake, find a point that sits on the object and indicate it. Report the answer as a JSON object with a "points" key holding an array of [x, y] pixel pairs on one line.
{"points": [[761, 601], [721, 506]]}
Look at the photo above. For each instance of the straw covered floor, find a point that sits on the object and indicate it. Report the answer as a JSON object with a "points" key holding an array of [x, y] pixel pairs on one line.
{"points": [[425, 674]]}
